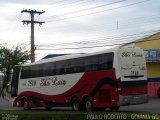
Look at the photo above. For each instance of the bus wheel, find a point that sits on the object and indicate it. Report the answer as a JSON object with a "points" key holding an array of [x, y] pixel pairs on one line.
{"points": [[25, 105], [75, 104], [87, 105], [114, 108]]}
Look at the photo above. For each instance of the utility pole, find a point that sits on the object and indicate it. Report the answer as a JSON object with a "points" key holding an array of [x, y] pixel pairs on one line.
{"points": [[32, 22]]}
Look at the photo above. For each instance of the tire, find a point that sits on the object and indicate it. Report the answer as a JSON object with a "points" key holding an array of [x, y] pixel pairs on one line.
{"points": [[158, 93], [75, 104], [87, 105], [114, 108], [26, 105]]}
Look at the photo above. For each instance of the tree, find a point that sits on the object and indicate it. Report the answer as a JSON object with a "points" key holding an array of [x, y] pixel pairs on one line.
{"points": [[9, 58]]}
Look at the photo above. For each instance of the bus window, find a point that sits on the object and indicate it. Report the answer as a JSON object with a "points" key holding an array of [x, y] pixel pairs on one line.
{"points": [[60, 67], [49, 69], [67, 67], [106, 61], [91, 63], [25, 72], [77, 65], [37, 71]]}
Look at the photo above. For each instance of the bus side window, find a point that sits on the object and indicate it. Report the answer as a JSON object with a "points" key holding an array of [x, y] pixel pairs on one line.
{"points": [[77, 65], [48, 69], [36, 71], [25, 72], [91, 63], [40, 72], [67, 67], [60, 68], [106, 61]]}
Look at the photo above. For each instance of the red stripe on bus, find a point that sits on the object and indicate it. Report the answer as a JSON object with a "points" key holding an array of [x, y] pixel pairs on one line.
{"points": [[88, 82]]}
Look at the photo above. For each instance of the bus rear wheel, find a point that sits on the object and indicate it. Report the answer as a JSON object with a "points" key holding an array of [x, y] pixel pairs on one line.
{"points": [[26, 105], [75, 104], [87, 105]]}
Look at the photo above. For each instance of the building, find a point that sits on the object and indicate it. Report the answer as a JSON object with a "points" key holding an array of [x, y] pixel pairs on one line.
{"points": [[151, 46]]}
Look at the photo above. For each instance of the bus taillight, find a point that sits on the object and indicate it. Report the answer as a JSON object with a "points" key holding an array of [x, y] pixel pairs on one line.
{"points": [[119, 82]]}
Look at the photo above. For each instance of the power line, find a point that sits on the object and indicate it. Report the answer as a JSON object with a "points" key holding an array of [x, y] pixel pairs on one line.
{"points": [[103, 39], [61, 3], [96, 46], [153, 20], [120, 40], [101, 11], [69, 5], [86, 9], [77, 47], [104, 44], [72, 4], [121, 26], [113, 41], [53, 3]]}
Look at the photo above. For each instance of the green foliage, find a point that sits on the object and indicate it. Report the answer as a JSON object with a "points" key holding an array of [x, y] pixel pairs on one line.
{"points": [[10, 57]]}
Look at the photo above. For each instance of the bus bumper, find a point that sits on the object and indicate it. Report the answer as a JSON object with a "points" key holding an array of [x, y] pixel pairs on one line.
{"points": [[132, 99]]}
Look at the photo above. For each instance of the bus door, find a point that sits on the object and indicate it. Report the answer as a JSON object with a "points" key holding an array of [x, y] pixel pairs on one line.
{"points": [[14, 83]]}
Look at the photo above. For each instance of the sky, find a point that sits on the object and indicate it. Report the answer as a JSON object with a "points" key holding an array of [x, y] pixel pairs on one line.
{"points": [[78, 26]]}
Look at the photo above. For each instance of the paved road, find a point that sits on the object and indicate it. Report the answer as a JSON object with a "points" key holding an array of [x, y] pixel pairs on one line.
{"points": [[152, 107], [5, 104]]}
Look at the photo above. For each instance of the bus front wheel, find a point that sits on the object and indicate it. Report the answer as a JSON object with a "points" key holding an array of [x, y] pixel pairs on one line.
{"points": [[26, 105]]}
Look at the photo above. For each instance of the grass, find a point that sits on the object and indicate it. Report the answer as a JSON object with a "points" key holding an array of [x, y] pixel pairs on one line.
{"points": [[70, 115], [43, 115]]}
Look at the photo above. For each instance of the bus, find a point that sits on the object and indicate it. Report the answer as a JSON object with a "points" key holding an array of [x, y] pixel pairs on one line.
{"points": [[107, 79]]}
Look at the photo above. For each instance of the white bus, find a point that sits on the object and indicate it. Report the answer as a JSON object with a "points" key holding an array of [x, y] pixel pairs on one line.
{"points": [[107, 79]]}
